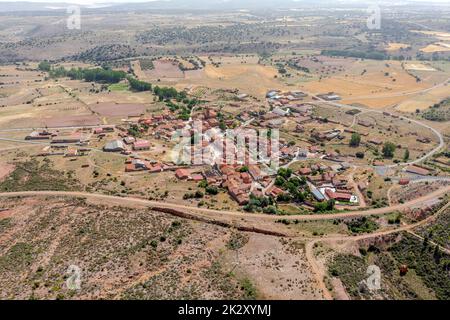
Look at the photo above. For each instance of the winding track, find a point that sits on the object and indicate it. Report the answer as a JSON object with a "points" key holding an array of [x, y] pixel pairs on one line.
{"points": [[319, 273], [234, 214]]}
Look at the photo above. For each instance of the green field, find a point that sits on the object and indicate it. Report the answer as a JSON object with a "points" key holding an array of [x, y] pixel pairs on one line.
{"points": [[118, 87]]}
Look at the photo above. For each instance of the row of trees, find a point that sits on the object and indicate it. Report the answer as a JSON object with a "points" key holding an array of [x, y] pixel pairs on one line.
{"points": [[374, 55], [91, 75], [138, 85], [103, 75]]}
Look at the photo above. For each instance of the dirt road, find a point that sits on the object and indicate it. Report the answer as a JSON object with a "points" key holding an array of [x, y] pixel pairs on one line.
{"points": [[236, 214], [319, 273]]}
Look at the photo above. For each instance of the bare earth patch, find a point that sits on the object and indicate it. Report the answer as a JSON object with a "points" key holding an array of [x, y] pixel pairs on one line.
{"points": [[278, 268], [118, 109], [5, 170]]}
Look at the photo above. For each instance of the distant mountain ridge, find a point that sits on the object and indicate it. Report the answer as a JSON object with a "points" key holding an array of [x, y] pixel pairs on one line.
{"points": [[24, 6]]}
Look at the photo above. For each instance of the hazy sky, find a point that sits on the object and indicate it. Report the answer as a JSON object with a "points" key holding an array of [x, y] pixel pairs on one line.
{"points": [[90, 2]]}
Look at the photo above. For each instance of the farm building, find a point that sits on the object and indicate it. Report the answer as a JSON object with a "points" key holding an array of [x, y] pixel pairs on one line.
{"points": [[136, 165], [35, 135], [403, 182], [182, 174], [73, 138], [316, 193], [114, 146], [417, 170], [129, 140], [141, 145]]}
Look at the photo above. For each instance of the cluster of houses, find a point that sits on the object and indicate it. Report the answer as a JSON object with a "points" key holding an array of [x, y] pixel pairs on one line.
{"points": [[240, 181], [76, 137], [127, 144], [134, 164], [65, 151], [300, 113], [241, 178], [277, 98], [326, 182]]}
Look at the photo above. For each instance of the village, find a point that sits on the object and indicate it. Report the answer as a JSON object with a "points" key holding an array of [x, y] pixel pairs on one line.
{"points": [[225, 150], [315, 174]]}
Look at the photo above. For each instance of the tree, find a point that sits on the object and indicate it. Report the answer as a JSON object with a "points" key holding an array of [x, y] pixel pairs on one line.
{"points": [[284, 197], [355, 140], [279, 181], [44, 66], [324, 206], [138, 85], [212, 190], [285, 173], [406, 155], [389, 149]]}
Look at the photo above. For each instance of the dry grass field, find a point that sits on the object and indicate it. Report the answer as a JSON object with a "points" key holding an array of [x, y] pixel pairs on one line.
{"points": [[149, 255], [395, 46], [437, 47]]}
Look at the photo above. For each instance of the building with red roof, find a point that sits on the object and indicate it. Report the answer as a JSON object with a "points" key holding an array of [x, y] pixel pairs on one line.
{"points": [[182, 174], [141, 145], [339, 196], [417, 170], [197, 177]]}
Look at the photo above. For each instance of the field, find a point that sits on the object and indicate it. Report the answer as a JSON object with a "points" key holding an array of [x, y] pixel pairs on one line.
{"points": [[150, 255], [393, 46]]}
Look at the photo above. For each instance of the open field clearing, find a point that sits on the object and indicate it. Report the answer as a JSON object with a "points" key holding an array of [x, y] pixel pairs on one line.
{"points": [[437, 34], [424, 100], [278, 268], [109, 109], [113, 97], [137, 70], [380, 86], [249, 78], [164, 69], [394, 46], [418, 67], [52, 115], [241, 72], [437, 47]]}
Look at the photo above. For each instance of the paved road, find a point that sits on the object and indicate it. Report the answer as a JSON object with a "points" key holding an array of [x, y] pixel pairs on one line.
{"points": [[129, 200]]}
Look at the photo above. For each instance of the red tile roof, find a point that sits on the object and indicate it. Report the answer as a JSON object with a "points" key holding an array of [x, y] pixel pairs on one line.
{"points": [[418, 170], [182, 173], [338, 195]]}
